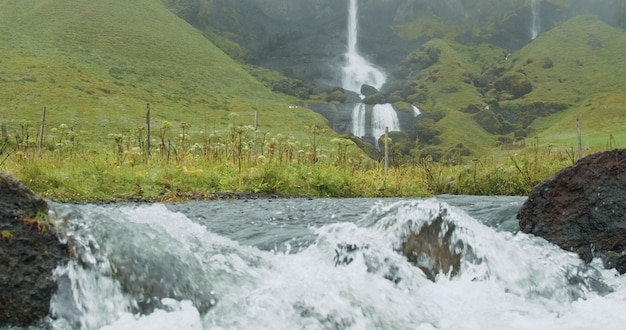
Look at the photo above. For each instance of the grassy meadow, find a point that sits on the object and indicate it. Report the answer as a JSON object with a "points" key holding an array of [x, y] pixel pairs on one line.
{"points": [[205, 167]]}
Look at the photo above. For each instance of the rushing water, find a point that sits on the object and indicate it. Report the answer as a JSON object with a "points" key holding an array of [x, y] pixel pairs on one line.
{"points": [[536, 24], [358, 71], [381, 116], [319, 264]]}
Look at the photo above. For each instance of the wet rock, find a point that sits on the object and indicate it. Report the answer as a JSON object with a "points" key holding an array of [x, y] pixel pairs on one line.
{"points": [[434, 250], [582, 209], [29, 252], [368, 90], [149, 274], [345, 253]]}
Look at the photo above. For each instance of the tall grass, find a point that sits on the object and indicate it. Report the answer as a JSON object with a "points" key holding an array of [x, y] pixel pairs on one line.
{"points": [[186, 165]]}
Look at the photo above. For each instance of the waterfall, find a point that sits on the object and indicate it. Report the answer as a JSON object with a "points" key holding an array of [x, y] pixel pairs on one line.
{"points": [[358, 120], [384, 115], [416, 111], [536, 26], [358, 71]]}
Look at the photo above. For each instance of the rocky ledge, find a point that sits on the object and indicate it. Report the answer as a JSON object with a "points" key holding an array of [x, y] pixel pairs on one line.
{"points": [[583, 209], [29, 251]]}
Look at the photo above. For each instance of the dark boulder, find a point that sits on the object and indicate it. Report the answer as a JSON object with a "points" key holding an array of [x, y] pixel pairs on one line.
{"points": [[583, 209], [433, 249], [368, 90], [29, 252], [438, 247]]}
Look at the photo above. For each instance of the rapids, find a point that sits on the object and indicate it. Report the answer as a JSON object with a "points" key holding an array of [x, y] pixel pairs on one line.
{"points": [[319, 264]]}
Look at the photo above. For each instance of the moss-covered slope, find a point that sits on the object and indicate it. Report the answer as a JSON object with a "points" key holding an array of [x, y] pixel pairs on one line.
{"points": [[484, 96]]}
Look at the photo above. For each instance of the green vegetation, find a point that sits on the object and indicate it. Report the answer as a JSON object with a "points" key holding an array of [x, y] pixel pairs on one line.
{"points": [[95, 66], [480, 98], [6, 235], [205, 166]]}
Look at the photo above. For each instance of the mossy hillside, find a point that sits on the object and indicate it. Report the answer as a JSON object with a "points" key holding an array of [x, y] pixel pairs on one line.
{"points": [[576, 60], [581, 76], [442, 73], [95, 65], [586, 74]]}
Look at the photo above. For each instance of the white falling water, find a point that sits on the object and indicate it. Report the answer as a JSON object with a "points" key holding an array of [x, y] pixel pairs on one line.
{"points": [[536, 26], [358, 71], [384, 115], [358, 120], [416, 111]]}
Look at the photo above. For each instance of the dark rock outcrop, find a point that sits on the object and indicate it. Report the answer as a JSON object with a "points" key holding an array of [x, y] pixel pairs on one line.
{"points": [[583, 209], [368, 90], [29, 252]]}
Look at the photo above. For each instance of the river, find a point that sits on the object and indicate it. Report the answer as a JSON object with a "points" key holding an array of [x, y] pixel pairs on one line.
{"points": [[319, 264]]}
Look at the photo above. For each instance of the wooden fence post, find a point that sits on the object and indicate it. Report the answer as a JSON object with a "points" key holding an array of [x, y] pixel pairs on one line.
{"points": [[386, 149], [256, 131], [148, 130], [41, 129], [580, 143]]}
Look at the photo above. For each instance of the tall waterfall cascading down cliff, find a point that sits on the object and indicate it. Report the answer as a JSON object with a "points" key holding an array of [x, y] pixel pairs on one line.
{"points": [[368, 121], [536, 26], [357, 70]]}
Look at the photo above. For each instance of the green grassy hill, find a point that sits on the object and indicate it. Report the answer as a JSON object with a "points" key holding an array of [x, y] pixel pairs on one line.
{"points": [[572, 71], [96, 64], [587, 74]]}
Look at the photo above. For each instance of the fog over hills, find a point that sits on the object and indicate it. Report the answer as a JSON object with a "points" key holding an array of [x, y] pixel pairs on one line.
{"points": [[483, 73], [307, 38]]}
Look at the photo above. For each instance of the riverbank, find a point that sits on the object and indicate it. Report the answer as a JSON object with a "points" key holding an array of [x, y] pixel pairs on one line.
{"points": [[101, 176]]}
